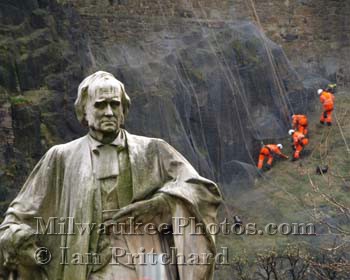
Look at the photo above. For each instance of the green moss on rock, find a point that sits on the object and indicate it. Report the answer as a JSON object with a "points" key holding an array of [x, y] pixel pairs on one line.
{"points": [[19, 100]]}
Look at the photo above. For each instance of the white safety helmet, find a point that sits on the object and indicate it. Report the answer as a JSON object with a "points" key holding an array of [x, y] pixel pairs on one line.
{"points": [[319, 91], [280, 146], [291, 131]]}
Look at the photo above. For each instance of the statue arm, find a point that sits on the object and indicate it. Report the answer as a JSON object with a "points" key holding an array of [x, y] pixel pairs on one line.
{"points": [[183, 182], [191, 196], [200, 196], [34, 199], [38, 192]]}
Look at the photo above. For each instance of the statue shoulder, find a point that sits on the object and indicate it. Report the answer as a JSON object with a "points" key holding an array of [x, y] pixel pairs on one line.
{"points": [[137, 140], [150, 145], [67, 148]]}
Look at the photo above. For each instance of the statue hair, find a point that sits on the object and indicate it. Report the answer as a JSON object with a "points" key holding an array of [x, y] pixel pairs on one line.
{"points": [[83, 94]]}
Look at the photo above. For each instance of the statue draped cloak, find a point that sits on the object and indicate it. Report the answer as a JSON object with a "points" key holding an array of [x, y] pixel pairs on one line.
{"points": [[62, 185]]}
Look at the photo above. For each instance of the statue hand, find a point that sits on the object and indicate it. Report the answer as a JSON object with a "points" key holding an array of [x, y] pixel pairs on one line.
{"points": [[143, 211], [18, 246], [26, 254]]}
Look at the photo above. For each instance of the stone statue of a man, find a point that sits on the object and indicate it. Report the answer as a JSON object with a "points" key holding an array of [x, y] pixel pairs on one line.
{"points": [[62, 223]]}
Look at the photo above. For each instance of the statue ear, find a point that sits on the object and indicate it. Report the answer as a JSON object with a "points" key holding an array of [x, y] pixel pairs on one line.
{"points": [[122, 121], [80, 103], [84, 122], [125, 101]]}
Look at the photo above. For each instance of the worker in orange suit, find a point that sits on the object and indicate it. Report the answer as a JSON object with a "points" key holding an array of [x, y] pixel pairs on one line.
{"points": [[299, 123], [299, 142], [327, 100], [269, 151]]}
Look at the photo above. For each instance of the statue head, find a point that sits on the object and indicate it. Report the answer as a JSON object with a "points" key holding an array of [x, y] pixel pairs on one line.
{"points": [[102, 103]]}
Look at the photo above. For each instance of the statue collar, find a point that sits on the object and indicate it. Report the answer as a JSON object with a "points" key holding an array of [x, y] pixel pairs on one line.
{"points": [[119, 142]]}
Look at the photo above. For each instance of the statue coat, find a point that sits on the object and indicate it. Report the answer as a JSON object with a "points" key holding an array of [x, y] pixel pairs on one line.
{"points": [[62, 185]]}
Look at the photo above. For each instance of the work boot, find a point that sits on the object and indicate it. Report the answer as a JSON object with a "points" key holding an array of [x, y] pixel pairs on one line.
{"points": [[294, 159], [237, 220], [329, 123], [321, 122], [238, 224], [268, 166]]}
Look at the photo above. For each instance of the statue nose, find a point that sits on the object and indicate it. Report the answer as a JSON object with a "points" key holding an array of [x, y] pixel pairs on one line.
{"points": [[109, 111]]}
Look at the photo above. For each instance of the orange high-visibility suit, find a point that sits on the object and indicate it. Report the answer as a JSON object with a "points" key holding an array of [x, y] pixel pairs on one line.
{"points": [[327, 100], [299, 141], [268, 151], [299, 122]]}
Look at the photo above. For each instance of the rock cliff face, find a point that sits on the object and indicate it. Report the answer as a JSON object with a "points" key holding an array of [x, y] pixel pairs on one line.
{"points": [[42, 54], [313, 33], [212, 87]]}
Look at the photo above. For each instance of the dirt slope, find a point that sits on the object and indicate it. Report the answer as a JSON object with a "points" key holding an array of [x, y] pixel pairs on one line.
{"points": [[292, 192]]}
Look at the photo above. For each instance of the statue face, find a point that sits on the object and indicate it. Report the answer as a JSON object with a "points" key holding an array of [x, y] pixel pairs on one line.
{"points": [[104, 112]]}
